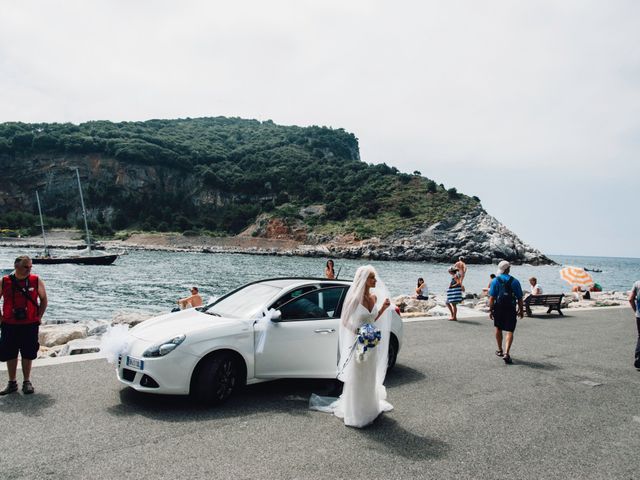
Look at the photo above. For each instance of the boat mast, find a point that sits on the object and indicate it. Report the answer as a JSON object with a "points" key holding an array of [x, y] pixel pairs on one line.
{"points": [[84, 213], [44, 237]]}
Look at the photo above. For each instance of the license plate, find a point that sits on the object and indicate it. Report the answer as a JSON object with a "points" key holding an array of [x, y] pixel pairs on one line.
{"points": [[135, 363]]}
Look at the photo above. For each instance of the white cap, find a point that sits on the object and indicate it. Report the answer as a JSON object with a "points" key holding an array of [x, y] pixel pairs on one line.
{"points": [[503, 266]]}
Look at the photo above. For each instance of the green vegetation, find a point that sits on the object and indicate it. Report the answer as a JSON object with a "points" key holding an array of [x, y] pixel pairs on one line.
{"points": [[252, 167]]}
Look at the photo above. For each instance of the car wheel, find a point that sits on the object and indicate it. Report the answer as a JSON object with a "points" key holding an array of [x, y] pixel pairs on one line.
{"points": [[393, 352], [218, 378]]}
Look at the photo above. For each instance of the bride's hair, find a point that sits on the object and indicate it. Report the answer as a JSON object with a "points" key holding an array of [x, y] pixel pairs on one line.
{"points": [[355, 294]]}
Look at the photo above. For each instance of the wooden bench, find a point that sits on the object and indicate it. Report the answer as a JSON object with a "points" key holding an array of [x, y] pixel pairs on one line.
{"points": [[552, 301]]}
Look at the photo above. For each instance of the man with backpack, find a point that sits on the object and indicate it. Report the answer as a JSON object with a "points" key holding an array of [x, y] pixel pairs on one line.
{"points": [[24, 302], [505, 293]]}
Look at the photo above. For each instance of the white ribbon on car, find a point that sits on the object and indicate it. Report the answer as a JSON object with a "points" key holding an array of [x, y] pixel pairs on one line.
{"points": [[264, 318], [114, 342]]}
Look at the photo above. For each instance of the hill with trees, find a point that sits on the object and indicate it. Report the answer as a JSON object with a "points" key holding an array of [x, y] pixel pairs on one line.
{"points": [[248, 167]]}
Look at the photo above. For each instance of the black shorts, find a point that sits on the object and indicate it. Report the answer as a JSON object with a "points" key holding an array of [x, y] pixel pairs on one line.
{"points": [[505, 318], [19, 338]]}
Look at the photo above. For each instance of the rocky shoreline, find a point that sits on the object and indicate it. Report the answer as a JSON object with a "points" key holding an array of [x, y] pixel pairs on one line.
{"points": [[477, 236], [58, 340]]}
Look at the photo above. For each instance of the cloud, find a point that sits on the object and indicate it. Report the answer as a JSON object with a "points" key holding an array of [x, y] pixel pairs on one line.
{"points": [[528, 88]]}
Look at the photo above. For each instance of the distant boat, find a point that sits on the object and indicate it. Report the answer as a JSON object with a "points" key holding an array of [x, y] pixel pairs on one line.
{"points": [[594, 270], [87, 259]]}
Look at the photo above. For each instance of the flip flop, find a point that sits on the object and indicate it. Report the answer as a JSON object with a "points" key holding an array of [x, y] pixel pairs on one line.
{"points": [[499, 353], [507, 359]]}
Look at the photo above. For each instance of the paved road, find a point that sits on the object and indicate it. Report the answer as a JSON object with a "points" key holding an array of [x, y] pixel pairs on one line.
{"points": [[460, 412]]}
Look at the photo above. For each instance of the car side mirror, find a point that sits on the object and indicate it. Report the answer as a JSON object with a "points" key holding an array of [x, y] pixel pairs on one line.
{"points": [[276, 316]]}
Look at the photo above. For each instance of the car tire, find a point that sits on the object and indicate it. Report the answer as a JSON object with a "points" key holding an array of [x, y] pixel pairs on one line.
{"points": [[218, 378], [393, 352]]}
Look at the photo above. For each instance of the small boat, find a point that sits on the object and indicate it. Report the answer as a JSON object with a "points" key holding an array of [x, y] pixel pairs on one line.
{"points": [[88, 258], [594, 270]]}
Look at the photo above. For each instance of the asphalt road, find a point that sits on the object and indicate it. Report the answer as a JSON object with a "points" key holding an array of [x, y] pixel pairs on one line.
{"points": [[569, 407]]}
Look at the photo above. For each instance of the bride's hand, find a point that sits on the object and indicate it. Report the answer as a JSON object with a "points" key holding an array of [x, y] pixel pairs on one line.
{"points": [[385, 305]]}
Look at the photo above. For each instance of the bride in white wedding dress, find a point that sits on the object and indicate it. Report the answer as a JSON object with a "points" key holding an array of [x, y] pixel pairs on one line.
{"points": [[364, 395]]}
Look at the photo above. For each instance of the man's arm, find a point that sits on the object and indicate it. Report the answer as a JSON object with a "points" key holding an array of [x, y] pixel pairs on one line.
{"points": [[44, 302], [520, 308], [491, 302], [632, 299]]}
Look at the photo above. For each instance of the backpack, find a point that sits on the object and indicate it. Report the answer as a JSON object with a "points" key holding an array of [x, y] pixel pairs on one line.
{"points": [[506, 295]]}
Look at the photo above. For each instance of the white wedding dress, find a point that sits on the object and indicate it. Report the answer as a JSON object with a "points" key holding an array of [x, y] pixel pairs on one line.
{"points": [[363, 397]]}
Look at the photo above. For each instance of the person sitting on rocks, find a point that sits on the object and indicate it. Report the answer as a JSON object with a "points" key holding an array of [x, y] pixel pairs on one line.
{"points": [[194, 300], [596, 287], [422, 292]]}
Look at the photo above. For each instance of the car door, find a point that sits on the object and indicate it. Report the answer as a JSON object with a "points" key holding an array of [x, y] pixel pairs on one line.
{"points": [[304, 342]]}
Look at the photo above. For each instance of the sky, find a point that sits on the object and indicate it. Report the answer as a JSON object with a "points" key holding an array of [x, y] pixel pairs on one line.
{"points": [[533, 106]]}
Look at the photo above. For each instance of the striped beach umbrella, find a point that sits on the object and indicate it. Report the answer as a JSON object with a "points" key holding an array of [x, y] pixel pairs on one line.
{"points": [[576, 276]]}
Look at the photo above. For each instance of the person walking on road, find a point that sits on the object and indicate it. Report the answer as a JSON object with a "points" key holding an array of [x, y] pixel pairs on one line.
{"points": [[634, 300], [24, 303], [505, 292]]}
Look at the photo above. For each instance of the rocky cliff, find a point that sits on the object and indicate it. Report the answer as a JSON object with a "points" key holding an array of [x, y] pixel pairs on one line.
{"points": [[477, 236]]}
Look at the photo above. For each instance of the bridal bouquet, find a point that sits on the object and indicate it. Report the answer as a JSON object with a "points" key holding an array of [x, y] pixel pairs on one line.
{"points": [[368, 337]]}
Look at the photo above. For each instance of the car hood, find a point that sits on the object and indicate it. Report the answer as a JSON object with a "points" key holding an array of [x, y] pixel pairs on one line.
{"points": [[164, 327]]}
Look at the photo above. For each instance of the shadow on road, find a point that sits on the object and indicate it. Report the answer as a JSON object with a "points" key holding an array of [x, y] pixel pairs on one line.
{"points": [[535, 365], [470, 322], [28, 405], [402, 375], [389, 436], [284, 396], [290, 396]]}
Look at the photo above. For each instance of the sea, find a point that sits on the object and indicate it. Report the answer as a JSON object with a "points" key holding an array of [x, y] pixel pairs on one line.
{"points": [[150, 282]]}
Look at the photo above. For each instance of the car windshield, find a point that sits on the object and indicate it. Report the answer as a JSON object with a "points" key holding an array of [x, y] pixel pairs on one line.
{"points": [[246, 302]]}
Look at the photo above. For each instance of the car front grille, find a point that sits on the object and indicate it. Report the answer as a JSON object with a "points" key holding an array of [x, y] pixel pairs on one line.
{"points": [[128, 375]]}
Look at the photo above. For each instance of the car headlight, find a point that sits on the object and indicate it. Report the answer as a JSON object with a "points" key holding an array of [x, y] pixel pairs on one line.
{"points": [[161, 349]]}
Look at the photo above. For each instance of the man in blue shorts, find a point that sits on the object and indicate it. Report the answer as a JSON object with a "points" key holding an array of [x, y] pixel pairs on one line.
{"points": [[504, 293], [24, 302]]}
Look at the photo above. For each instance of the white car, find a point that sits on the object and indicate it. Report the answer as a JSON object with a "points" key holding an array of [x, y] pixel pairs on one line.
{"points": [[212, 351]]}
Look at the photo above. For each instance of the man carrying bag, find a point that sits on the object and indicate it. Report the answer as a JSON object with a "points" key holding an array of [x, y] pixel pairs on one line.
{"points": [[504, 293], [24, 303]]}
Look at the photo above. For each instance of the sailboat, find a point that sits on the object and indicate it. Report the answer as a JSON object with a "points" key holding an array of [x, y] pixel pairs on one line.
{"points": [[89, 258]]}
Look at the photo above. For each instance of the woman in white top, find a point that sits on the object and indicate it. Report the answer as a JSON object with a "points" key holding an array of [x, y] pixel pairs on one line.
{"points": [[535, 288], [422, 292]]}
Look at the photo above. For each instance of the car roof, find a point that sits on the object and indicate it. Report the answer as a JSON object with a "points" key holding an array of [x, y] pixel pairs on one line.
{"points": [[286, 282]]}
